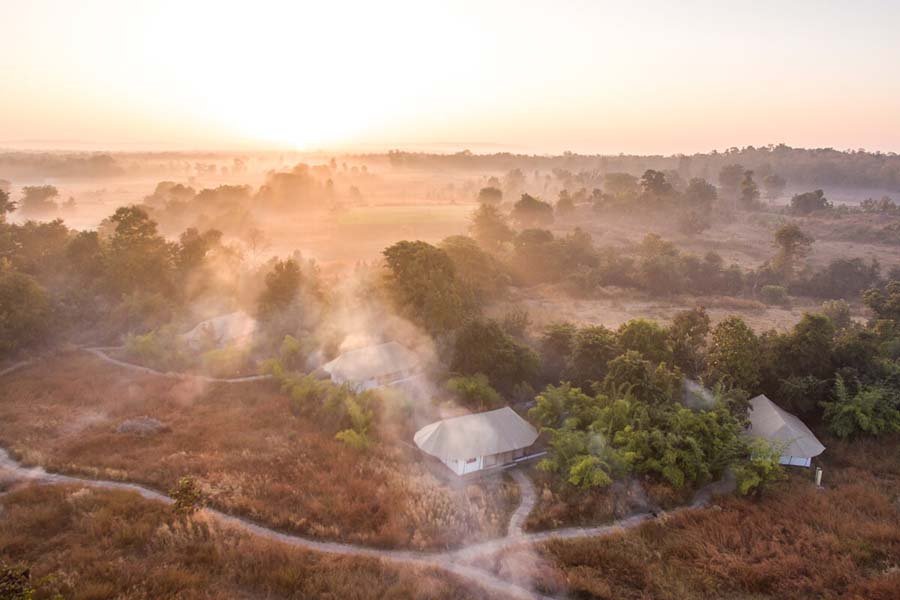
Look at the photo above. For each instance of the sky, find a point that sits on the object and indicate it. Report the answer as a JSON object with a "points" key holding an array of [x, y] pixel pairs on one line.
{"points": [[528, 76]]}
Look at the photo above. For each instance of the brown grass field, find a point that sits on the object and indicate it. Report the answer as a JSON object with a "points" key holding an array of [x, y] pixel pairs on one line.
{"points": [[795, 542], [85, 544], [250, 454]]}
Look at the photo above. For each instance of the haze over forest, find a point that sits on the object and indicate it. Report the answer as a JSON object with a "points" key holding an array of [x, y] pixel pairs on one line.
{"points": [[449, 300]]}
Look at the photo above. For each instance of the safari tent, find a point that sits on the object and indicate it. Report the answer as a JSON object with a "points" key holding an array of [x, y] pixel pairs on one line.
{"points": [[225, 330], [774, 424], [373, 366], [479, 441]]}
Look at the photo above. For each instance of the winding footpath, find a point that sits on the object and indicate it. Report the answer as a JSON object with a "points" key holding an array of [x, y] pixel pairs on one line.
{"points": [[458, 562], [102, 355]]}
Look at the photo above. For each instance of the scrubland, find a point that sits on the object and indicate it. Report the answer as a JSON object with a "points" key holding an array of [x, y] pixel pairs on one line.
{"points": [[250, 454], [84, 544], [796, 541]]}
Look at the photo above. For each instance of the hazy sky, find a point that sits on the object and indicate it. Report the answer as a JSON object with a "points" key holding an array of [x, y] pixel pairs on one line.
{"points": [[530, 76]]}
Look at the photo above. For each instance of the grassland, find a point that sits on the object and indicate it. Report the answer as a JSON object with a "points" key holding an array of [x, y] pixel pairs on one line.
{"points": [[85, 544], [249, 453], [797, 541]]}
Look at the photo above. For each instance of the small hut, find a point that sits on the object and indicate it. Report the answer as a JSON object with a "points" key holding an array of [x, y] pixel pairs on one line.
{"points": [[776, 425], [373, 366], [235, 328], [479, 441]]}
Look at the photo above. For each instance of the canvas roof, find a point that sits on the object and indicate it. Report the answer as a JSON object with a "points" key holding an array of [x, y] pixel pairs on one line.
{"points": [[481, 434], [773, 423], [222, 329], [372, 361]]}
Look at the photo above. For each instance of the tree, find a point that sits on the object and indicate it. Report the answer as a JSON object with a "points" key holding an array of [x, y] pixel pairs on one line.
{"points": [[644, 382], [734, 354], [808, 202], [621, 185], [872, 410], [700, 195], [565, 206], [474, 392], [646, 337], [490, 229], [556, 344], [490, 195], [282, 286], [483, 347], [6, 205], [793, 245], [557, 405], [24, 310], [38, 200], [730, 177], [593, 348], [884, 303], [422, 280], [774, 184], [687, 336], [749, 197], [139, 258], [654, 182], [478, 271], [530, 212]]}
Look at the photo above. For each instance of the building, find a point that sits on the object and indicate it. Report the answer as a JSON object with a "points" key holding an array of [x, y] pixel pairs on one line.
{"points": [[235, 328], [477, 442], [374, 366], [774, 424]]}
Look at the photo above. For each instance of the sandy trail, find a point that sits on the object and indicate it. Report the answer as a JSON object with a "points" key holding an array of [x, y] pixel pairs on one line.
{"points": [[526, 505]]}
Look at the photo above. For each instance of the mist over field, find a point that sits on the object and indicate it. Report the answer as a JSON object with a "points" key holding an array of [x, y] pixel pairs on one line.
{"points": [[449, 300]]}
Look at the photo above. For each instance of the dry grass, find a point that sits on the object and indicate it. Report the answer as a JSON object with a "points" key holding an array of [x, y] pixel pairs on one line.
{"points": [[245, 448], [90, 545], [796, 542]]}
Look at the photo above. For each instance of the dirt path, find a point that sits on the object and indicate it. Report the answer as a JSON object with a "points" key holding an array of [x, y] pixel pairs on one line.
{"points": [[102, 355], [14, 367], [528, 499]]}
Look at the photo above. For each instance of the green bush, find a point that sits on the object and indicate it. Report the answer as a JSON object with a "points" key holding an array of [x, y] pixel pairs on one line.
{"points": [[774, 295]]}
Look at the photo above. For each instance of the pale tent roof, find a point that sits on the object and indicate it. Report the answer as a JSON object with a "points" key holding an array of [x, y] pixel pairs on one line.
{"points": [[481, 434], [773, 423], [372, 361], [223, 329]]}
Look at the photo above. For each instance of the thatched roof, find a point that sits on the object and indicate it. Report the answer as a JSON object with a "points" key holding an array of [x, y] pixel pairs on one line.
{"points": [[481, 434]]}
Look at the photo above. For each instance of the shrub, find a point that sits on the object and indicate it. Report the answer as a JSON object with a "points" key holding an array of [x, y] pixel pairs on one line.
{"points": [[873, 411], [774, 294], [474, 391], [188, 496], [161, 349], [761, 470]]}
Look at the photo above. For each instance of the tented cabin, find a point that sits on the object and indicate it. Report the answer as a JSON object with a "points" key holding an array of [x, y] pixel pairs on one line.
{"points": [[477, 442], [373, 366], [774, 424], [235, 328]]}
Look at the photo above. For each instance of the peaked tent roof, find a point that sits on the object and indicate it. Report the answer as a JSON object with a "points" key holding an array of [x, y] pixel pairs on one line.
{"points": [[372, 361], [771, 422], [481, 434]]}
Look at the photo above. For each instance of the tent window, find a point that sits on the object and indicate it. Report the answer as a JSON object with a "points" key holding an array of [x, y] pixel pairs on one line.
{"points": [[471, 460]]}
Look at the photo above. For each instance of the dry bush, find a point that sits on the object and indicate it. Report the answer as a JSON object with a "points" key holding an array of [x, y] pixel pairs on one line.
{"points": [[249, 454], [85, 543], [562, 505], [795, 542]]}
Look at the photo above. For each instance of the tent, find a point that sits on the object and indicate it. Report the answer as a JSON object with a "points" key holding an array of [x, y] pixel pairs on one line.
{"points": [[479, 441], [373, 366], [774, 424], [225, 330]]}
